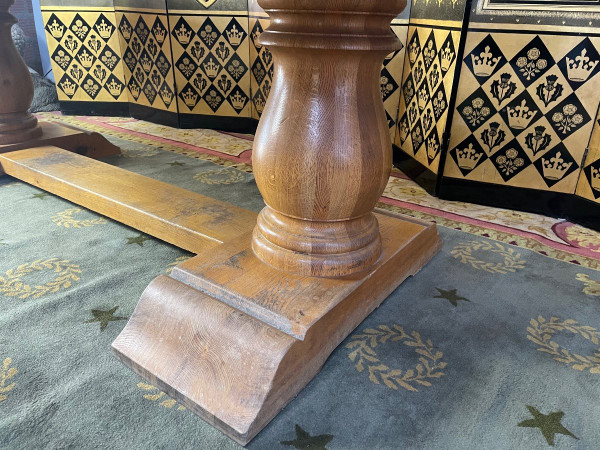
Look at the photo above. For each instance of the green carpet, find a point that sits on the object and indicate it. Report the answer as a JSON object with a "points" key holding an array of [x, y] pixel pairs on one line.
{"points": [[490, 346]]}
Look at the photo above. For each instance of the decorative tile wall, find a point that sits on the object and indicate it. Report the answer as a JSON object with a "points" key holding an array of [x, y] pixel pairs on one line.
{"points": [[85, 54], [429, 68], [524, 111], [211, 48], [261, 60], [148, 63], [427, 83]]}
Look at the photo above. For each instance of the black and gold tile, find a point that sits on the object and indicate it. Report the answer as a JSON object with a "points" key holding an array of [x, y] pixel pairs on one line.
{"points": [[143, 29], [427, 85], [85, 54], [524, 108], [211, 59], [261, 59]]}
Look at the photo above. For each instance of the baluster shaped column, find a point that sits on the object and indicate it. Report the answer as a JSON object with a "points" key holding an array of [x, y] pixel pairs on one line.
{"points": [[322, 152]]}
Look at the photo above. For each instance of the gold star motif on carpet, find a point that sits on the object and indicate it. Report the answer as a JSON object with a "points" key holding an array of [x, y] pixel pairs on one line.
{"points": [[139, 240], [41, 195], [306, 441], [451, 296], [549, 424], [104, 317]]}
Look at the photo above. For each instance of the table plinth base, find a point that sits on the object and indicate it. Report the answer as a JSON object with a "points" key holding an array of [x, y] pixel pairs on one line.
{"points": [[86, 143], [235, 340]]}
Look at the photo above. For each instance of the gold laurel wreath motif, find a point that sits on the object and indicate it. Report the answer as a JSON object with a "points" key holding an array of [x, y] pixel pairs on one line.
{"points": [[6, 373], [512, 260], [226, 175], [12, 285], [540, 332], [363, 354], [592, 287], [156, 394], [65, 219]]}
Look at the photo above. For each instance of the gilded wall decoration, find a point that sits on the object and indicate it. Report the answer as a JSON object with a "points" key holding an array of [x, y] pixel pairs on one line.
{"points": [[524, 110], [210, 54], [429, 68], [148, 64], [85, 54]]}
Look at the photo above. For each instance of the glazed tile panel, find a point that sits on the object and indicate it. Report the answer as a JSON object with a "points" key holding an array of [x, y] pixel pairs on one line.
{"points": [[427, 81], [391, 77], [588, 186], [146, 47], [85, 54], [524, 109], [261, 64], [211, 62]]}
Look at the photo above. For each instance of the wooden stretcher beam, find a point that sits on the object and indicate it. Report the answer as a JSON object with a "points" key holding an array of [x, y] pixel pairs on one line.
{"points": [[186, 219]]}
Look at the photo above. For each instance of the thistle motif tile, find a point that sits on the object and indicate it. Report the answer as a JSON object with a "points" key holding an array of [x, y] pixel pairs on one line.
{"points": [[428, 77], [211, 62], [545, 114], [85, 55], [146, 50]]}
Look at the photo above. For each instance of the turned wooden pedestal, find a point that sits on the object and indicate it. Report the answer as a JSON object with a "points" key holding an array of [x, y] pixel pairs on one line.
{"points": [[237, 331], [19, 129]]}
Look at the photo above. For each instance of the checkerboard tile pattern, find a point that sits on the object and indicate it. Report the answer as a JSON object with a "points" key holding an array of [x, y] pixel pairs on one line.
{"points": [[524, 110], [85, 55], [148, 67], [261, 65], [429, 67], [210, 58]]}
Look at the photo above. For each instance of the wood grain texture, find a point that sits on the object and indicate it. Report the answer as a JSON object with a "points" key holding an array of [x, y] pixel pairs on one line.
{"points": [[82, 142], [235, 340], [183, 218], [322, 152], [16, 86]]}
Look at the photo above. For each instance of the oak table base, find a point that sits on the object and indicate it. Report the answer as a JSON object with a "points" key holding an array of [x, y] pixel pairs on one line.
{"points": [[180, 217], [235, 340], [86, 143]]}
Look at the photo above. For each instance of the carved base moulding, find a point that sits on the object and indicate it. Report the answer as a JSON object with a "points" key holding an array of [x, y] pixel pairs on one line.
{"points": [[235, 340]]}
